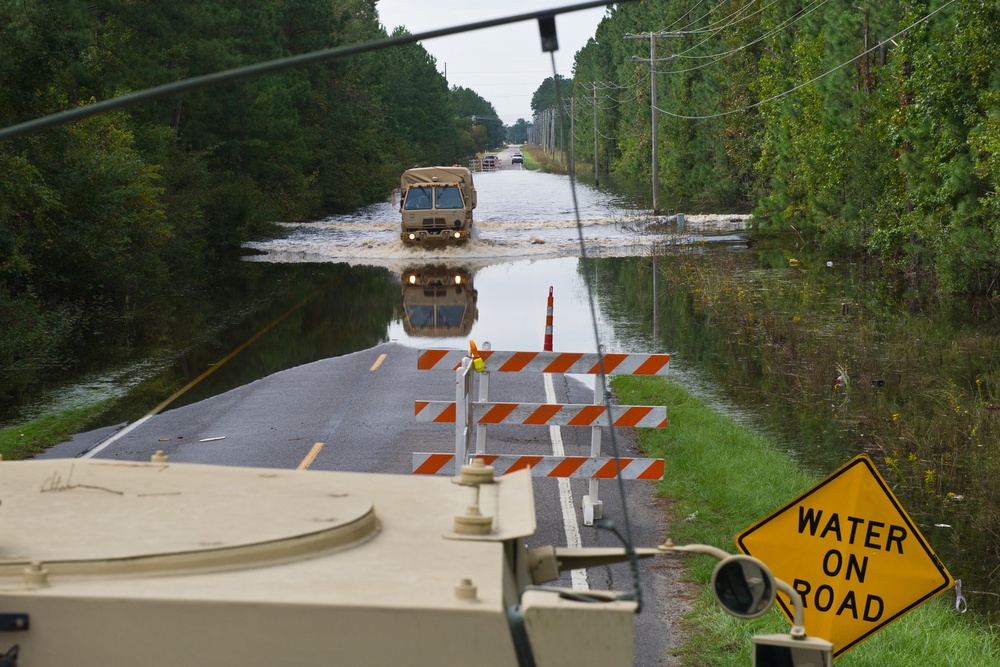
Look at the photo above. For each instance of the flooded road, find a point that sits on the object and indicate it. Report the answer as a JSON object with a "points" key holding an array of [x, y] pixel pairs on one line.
{"points": [[526, 239], [522, 216], [336, 286]]}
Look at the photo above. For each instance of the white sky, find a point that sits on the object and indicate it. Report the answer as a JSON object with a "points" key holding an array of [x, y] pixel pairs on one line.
{"points": [[506, 64]]}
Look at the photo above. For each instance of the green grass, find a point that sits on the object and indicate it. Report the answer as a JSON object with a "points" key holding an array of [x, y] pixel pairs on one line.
{"points": [[529, 160], [25, 440], [722, 478]]}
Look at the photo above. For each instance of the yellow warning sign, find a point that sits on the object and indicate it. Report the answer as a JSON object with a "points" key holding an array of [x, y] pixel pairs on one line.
{"points": [[850, 550]]}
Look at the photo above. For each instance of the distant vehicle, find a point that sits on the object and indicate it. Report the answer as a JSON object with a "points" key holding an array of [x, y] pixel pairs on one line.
{"points": [[517, 159], [436, 205], [491, 162]]}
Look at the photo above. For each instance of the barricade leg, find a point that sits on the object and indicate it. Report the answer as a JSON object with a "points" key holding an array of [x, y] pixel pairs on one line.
{"points": [[463, 414], [484, 397], [593, 508]]}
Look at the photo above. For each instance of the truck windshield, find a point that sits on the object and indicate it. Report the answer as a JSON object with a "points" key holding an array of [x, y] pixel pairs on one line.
{"points": [[448, 196], [425, 317], [418, 198]]}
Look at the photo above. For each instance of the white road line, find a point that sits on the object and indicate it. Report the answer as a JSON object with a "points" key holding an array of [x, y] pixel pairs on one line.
{"points": [[107, 441], [579, 577]]}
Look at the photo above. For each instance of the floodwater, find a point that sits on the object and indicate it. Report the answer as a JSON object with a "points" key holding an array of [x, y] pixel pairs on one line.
{"points": [[522, 216], [526, 241], [347, 283]]}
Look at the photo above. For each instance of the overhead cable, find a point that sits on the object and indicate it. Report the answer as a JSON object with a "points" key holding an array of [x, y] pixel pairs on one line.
{"points": [[813, 80]]}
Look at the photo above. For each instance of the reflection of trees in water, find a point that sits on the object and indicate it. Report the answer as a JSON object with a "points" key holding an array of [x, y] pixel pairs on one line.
{"points": [[773, 335], [314, 311]]}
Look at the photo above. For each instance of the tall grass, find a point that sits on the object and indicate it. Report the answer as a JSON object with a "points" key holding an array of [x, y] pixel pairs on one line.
{"points": [[864, 370], [722, 478], [535, 157]]}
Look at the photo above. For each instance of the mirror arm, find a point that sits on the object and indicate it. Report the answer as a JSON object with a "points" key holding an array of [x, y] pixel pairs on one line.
{"points": [[798, 630], [705, 549]]}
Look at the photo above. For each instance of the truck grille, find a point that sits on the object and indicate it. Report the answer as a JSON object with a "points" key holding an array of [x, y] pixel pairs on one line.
{"points": [[437, 223]]}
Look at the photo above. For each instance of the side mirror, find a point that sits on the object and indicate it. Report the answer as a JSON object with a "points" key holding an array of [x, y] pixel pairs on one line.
{"points": [[745, 588]]}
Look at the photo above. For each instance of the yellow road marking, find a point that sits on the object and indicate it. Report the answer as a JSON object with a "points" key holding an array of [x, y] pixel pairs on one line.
{"points": [[378, 362], [177, 394], [311, 456]]}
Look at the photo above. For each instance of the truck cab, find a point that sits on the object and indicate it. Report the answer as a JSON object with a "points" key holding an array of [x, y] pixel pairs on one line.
{"points": [[436, 205]]}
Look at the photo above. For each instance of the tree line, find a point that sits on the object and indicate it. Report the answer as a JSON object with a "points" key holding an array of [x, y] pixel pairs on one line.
{"points": [[871, 127], [97, 213]]}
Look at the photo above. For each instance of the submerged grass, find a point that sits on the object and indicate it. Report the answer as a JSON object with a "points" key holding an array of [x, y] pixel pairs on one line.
{"points": [[842, 363], [722, 478]]}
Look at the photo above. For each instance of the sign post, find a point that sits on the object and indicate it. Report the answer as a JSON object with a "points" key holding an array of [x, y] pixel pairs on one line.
{"points": [[850, 550]]}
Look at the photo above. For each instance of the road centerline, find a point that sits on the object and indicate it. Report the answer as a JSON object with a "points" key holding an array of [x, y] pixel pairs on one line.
{"points": [[311, 456]]}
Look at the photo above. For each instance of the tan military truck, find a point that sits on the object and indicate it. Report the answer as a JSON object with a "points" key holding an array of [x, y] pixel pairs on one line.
{"points": [[436, 205]]}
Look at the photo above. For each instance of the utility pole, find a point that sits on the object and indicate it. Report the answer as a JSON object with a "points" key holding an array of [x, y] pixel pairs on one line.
{"points": [[597, 180], [552, 135], [652, 103], [572, 136]]}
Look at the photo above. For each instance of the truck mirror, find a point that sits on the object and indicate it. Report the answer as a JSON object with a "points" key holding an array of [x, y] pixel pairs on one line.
{"points": [[743, 586]]}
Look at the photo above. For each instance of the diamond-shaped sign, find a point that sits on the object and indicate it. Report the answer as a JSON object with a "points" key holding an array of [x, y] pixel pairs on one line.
{"points": [[850, 550]]}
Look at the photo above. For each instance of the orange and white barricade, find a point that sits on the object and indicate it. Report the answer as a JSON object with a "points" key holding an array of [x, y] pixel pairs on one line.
{"points": [[466, 413]]}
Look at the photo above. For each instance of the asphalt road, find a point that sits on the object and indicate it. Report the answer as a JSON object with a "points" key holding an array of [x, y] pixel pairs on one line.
{"points": [[360, 407]]}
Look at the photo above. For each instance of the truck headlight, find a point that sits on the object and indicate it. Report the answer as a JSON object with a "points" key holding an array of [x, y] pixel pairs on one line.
{"points": [[458, 235], [413, 237]]}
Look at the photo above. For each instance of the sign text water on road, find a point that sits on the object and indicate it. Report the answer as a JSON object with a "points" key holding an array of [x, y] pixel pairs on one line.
{"points": [[853, 554]]}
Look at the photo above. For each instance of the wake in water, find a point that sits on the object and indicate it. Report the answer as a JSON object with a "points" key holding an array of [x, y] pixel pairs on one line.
{"points": [[520, 216]]}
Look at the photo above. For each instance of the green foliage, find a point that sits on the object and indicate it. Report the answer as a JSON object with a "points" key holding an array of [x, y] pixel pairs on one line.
{"points": [[34, 337], [809, 114], [517, 133], [101, 212], [544, 96], [484, 127]]}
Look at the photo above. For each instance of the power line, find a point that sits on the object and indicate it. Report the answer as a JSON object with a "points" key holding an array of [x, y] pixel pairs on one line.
{"points": [[722, 56], [268, 67], [815, 79]]}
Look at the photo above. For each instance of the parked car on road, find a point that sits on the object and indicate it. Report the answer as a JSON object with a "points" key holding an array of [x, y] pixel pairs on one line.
{"points": [[517, 159]]}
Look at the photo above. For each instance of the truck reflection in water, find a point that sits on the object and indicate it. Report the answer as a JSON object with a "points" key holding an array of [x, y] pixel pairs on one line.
{"points": [[438, 301]]}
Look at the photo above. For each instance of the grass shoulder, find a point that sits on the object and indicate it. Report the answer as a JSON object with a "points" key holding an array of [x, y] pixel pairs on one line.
{"points": [[536, 159], [30, 438], [721, 478]]}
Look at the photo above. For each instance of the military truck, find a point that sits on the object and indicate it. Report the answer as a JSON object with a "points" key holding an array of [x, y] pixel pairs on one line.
{"points": [[436, 205]]}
